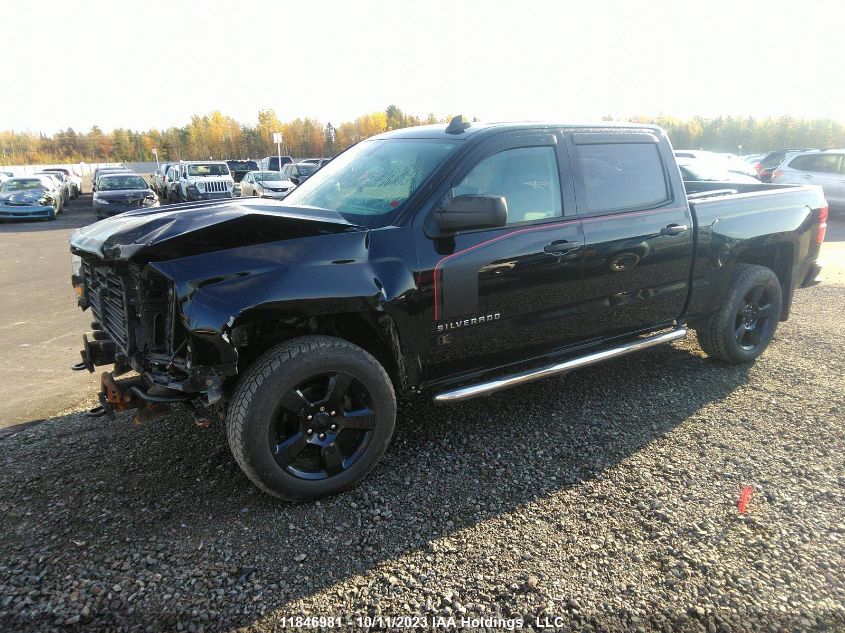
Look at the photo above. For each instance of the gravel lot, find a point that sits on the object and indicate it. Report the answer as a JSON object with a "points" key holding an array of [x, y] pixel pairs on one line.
{"points": [[607, 502]]}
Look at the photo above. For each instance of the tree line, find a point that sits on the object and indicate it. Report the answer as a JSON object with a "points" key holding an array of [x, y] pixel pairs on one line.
{"points": [[217, 136], [747, 135], [213, 136]]}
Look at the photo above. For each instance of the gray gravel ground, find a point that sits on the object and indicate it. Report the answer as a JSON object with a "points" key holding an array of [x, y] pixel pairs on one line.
{"points": [[607, 502]]}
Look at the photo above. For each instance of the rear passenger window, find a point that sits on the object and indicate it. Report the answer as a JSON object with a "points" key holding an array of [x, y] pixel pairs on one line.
{"points": [[801, 162], [526, 177], [825, 163], [621, 176]]}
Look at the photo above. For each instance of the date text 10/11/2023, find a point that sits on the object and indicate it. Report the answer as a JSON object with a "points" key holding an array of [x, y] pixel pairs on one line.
{"points": [[418, 622]]}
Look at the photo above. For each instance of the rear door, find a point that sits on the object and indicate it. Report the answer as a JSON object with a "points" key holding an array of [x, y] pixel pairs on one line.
{"points": [[823, 170], [505, 294], [637, 229]]}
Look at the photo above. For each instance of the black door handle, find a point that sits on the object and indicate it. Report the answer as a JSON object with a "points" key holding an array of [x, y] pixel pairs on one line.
{"points": [[673, 229], [562, 246]]}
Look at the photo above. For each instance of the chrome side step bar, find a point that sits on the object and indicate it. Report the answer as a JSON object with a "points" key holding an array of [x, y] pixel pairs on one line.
{"points": [[485, 388]]}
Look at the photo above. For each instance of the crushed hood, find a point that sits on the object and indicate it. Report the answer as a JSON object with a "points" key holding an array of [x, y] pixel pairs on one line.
{"points": [[182, 230], [23, 196]]}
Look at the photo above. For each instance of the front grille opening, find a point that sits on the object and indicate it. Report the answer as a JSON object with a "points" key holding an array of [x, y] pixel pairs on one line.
{"points": [[106, 295]]}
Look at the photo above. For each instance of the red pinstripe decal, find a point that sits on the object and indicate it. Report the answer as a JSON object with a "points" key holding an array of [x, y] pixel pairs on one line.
{"points": [[479, 245], [529, 230]]}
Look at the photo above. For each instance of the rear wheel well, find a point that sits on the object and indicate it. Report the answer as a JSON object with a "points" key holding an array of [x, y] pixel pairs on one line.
{"points": [[255, 338], [778, 258]]}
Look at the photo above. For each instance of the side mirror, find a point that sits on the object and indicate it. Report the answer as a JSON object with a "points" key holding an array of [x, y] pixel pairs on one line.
{"points": [[472, 212]]}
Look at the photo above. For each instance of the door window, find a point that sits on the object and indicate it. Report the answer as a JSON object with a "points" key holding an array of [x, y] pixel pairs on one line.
{"points": [[526, 177], [823, 163], [621, 176]]}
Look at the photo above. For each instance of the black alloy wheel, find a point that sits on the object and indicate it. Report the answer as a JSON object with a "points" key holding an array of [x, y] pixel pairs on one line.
{"points": [[754, 317], [745, 322], [311, 417], [322, 426]]}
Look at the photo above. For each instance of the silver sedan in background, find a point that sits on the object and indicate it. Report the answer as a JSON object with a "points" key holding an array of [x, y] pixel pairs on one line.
{"points": [[266, 184], [62, 183]]}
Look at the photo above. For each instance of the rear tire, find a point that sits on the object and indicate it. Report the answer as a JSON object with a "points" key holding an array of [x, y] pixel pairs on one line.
{"points": [[742, 328], [352, 409]]}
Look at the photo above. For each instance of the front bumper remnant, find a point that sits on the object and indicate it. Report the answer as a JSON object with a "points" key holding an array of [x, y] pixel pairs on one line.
{"points": [[129, 394]]}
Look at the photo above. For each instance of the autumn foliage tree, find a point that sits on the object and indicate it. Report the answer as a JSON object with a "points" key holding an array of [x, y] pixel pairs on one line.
{"points": [[218, 136]]}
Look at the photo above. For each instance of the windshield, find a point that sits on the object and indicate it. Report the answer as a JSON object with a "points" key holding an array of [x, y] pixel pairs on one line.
{"points": [[263, 176], [21, 185], [306, 169], [114, 183], [215, 169], [370, 182], [242, 165]]}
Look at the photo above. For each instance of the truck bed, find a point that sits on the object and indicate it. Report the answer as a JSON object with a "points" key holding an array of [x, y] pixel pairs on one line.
{"points": [[728, 222]]}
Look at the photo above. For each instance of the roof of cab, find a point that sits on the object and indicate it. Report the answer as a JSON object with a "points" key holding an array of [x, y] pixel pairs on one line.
{"points": [[438, 131]]}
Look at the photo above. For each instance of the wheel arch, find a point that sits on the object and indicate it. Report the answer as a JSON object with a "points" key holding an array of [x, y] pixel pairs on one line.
{"points": [[374, 332], [780, 259]]}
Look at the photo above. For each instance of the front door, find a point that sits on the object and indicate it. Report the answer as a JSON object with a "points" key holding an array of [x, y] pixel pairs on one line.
{"points": [[497, 296], [637, 231]]}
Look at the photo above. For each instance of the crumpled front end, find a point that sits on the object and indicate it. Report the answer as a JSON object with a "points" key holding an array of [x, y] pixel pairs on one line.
{"points": [[166, 286], [137, 325]]}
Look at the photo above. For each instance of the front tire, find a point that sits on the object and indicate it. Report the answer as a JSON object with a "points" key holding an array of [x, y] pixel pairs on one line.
{"points": [[311, 417], [742, 328]]}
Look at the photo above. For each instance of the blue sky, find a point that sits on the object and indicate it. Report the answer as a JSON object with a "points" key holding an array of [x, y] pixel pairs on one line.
{"points": [[143, 64]]}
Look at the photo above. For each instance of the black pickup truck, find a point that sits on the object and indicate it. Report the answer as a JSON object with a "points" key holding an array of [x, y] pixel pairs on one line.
{"points": [[454, 260]]}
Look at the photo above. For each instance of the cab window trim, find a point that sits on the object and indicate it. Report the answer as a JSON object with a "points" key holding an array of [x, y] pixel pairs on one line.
{"points": [[542, 138], [622, 138], [498, 142]]}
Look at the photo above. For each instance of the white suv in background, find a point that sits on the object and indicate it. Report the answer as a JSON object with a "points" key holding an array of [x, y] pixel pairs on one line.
{"points": [[204, 180], [825, 168]]}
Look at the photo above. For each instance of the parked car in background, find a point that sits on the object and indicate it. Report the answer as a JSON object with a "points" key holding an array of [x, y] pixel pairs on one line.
{"points": [[61, 182], [106, 170], [204, 180], [30, 198], [170, 183], [271, 163], [316, 161], [73, 178], [729, 162], [157, 179], [752, 158], [824, 168], [239, 169], [118, 192], [298, 173], [766, 165], [8, 174], [266, 184], [705, 170], [4, 177], [735, 164]]}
